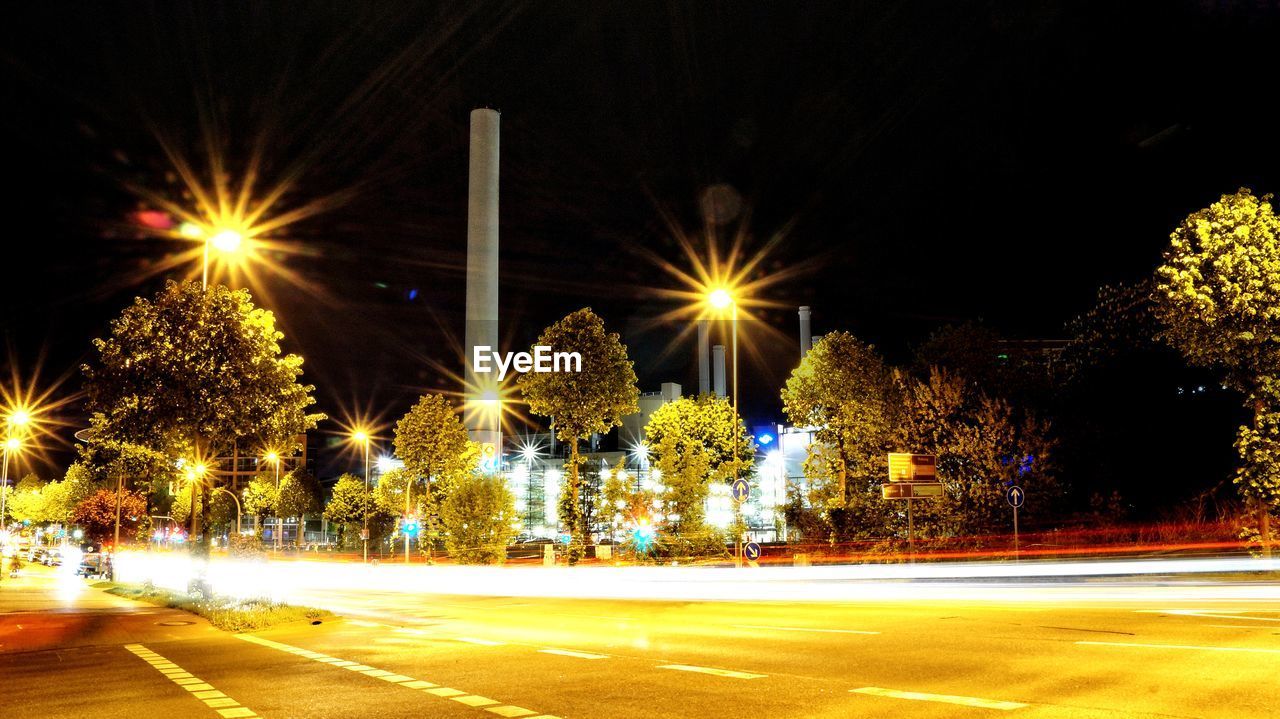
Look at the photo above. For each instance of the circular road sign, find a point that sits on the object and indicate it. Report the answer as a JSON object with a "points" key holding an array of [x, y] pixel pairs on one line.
{"points": [[751, 551], [1015, 496], [740, 490]]}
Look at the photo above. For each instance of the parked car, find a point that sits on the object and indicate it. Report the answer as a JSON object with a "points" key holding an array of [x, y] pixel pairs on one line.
{"points": [[52, 557], [96, 565]]}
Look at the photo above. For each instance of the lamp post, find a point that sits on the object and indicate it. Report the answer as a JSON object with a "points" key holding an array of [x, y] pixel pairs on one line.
{"points": [[11, 445], [721, 299], [236, 500], [277, 540], [224, 239], [194, 474], [362, 437]]}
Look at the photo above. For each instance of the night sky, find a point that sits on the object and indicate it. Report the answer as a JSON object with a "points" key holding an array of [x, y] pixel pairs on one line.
{"points": [[926, 163]]}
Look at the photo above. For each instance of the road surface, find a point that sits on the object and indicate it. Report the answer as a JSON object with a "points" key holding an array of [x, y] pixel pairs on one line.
{"points": [[67, 650]]}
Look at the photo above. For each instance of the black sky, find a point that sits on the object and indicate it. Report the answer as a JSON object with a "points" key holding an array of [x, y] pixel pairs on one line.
{"points": [[936, 162]]}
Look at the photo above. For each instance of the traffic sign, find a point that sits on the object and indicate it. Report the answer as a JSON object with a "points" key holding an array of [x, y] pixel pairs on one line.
{"points": [[1015, 496], [751, 551], [740, 490], [907, 467], [911, 490]]}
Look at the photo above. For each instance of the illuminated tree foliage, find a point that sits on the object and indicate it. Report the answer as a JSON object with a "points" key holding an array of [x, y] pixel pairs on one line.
{"points": [[479, 519], [260, 496], [845, 391], [1218, 296], [96, 515], [299, 496], [348, 508], [582, 403], [434, 446], [195, 370]]}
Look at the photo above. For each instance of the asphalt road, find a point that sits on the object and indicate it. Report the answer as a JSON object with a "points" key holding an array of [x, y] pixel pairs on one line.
{"points": [[70, 651]]}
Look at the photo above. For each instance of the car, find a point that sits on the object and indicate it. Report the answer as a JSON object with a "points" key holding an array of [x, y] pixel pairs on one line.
{"points": [[52, 557], [94, 565]]}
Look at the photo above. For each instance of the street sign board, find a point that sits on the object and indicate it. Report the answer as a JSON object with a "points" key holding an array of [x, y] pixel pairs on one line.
{"points": [[907, 467], [740, 490], [911, 490], [1015, 496], [751, 551]]}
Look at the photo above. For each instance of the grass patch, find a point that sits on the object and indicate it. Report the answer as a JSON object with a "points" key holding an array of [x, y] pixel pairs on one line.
{"points": [[226, 613]]}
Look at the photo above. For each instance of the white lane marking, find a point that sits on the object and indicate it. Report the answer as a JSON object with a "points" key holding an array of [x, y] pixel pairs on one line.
{"points": [[1134, 645], [803, 629], [569, 653], [1239, 626], [481, 642], [1210, 613], [212, 698], [943, 698], [712, 671]]}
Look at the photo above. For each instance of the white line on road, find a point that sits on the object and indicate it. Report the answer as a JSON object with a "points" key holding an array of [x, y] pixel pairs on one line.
{"points": [[943, 698], [1240, 626], [569, 653], [214, 699], [803, 629], [481, 642], [712, 671], [1210, 613], [1254, 650]]}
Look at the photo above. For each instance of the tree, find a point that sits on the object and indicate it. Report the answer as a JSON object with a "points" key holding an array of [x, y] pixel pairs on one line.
{"points": [[692, 442], [260, 497], [350, 506], [97, 514], [479, 519], [1218, 297], [982, 446], [844, 391], [192, 371], [583, 403], [435, 448], [299, 495]]}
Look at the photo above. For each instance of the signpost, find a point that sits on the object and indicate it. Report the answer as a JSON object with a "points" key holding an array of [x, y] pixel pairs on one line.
{"points": [[912, 476], [740, 490], [1016, 498], [752, 551]]}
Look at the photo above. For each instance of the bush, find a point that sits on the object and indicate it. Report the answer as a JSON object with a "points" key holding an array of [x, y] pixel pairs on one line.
{"points": [[479, 517]]}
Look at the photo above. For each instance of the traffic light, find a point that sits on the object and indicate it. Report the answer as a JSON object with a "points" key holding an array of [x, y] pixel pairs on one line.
{"points": [[409, 525]]}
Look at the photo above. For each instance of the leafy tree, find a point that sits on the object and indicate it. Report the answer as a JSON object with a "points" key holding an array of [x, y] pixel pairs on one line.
{"points": [[299, 496], [692, 441], [982, 446], [844, 390], [479, 519], [434, 446], [195, 370], [97, 514], [583, 403], [260, 497], [1218, 297], [350, 506]]}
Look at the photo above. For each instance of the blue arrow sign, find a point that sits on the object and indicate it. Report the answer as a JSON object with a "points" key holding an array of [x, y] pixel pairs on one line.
{"points": [[1015, 496], [740, 490], [751, 551]]}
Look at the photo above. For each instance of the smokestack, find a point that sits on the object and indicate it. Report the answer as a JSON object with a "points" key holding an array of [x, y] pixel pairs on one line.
{"points": [[717, 363], [481, 411], [704, 362], [806, 338]]}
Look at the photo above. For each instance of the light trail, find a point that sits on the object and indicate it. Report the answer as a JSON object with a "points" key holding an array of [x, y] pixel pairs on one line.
{"points": [[326, 583]]}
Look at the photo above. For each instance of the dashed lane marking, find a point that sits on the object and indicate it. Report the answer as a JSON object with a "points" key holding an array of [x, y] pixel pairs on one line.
{"points": [[804, 629], [481, 642], [1191, 647], [212, 698], [942, 698], [425, 687], [712, 671], [570, 653]]}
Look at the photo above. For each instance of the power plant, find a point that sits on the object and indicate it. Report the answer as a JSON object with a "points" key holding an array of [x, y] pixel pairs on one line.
{"points": [[481, 410]]}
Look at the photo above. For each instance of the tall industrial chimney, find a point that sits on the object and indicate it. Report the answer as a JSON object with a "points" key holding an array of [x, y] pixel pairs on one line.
{"points": [[481, 410], [717, 364], [704, 362], [806, 336]]}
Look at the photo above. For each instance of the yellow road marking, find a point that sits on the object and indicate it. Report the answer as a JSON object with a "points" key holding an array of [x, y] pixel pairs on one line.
{"points": [[457, 695], [712, 671], [943, 698], [1256, 650], [212, 698], [568, 653]]}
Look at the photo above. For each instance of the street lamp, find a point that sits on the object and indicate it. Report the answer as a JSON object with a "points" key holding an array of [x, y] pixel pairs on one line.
{"points": [[362, 437], [721, 299], [227, 240], [11, 445], [194, 474], [274, 458]]}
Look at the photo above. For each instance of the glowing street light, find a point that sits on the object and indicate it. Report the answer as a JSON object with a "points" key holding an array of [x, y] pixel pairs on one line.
{"points": [[19, 418], [195, 473], [274, 458], [722, 299], [227, 240]]}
